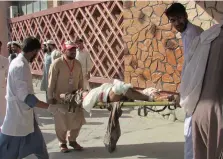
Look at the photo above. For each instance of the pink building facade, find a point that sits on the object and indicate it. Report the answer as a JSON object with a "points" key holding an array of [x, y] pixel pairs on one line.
{"points": [[4, 17]]}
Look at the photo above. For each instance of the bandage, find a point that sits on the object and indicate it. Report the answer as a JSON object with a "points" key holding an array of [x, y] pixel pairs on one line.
{"points": [[120, 87]]}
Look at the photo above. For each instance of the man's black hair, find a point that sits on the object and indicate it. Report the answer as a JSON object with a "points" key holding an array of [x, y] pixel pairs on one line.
{"points": [[30, 44], [0, 43], [175, 9]]}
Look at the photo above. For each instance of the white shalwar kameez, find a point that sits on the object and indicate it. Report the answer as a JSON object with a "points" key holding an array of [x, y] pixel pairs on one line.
{"points": [[83, 56], [20, 135]]}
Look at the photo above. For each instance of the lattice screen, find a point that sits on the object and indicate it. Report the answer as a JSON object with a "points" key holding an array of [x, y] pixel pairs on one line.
{"points": [[99, 24]]}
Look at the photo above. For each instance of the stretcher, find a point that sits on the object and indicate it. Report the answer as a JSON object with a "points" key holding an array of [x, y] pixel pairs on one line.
{"points": [[145, 106], [75, 100], [149, 106]]}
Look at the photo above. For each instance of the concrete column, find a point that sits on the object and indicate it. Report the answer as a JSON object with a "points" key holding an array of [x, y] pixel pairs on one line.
{"points": [[4, 17], [54, 3]]}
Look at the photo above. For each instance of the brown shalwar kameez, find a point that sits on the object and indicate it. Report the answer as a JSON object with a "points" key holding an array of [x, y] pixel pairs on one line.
{"points": [[207, 118], [59, 83]]}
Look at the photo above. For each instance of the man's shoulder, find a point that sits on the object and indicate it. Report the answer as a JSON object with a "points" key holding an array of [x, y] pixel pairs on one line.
{"points": [[18, 62], [55, 52], [86, 50], [87, 53], [195, 30], [17, 66], [198, 28], [77, 62], [57, 61]]}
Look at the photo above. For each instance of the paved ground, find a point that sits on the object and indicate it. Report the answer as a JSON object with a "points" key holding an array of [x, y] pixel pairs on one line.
{"points": [[142, 137]]}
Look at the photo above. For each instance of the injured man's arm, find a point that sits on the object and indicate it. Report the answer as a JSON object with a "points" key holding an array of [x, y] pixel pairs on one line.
{"points": [[155, 96]]}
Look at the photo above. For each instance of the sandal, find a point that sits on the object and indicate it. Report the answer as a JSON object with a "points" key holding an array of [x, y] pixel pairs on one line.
{"points": [[76, 146], [63, 148]]}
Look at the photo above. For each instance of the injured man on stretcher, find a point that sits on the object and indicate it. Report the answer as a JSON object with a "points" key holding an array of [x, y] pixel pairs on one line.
{"points": [[111, 94], [108, 93]]}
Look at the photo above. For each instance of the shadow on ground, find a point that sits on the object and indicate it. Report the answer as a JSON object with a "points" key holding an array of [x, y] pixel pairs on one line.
{"points": [[49, 137], [45, 118], [162, 150], [94, 123], [101, 113]]}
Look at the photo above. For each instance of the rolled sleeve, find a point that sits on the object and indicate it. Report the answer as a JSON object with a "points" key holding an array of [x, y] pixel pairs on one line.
{"points": [[31, 100]]}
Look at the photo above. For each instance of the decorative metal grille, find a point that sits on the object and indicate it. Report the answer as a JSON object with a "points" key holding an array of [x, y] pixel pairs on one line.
{"points": [[99, 24]]}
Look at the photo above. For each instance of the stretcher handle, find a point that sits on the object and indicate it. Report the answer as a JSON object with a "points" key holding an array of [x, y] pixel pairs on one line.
{"points": [[131, 104]]}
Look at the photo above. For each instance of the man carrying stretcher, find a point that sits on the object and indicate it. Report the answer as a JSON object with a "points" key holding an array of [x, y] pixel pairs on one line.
{"points": [[108, 93]]}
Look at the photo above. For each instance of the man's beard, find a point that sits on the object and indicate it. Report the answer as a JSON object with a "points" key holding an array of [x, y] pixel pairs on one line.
{"points": [[49, 49], [70, 57], [45, 50], [10, 51]]}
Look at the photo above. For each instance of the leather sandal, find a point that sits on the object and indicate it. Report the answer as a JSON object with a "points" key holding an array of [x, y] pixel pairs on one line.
{"points": [[76, 146], [63, 148]]}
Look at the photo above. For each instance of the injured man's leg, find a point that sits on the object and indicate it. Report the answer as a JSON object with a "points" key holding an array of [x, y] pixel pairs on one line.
{"points": [[155, 96], [133, 94]]}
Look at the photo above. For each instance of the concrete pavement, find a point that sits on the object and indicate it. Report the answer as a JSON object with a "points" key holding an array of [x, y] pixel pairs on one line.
{"points": [[142, 137]]}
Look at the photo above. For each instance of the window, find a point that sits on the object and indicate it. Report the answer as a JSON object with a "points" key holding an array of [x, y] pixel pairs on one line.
{"points": [[28, 7], [66, 2], [22, 8], [36, 6], [43, 5]]}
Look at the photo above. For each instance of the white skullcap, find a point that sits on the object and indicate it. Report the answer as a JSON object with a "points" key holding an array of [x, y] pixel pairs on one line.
{"points": [[51, 42], [9, 43], [16, 43]]}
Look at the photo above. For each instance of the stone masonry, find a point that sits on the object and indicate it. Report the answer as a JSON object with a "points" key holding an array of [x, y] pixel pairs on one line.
{"points": [[155, 54]]}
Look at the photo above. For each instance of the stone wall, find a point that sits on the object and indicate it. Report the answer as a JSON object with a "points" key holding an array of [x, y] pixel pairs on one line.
{"points": [[155, 54]]}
